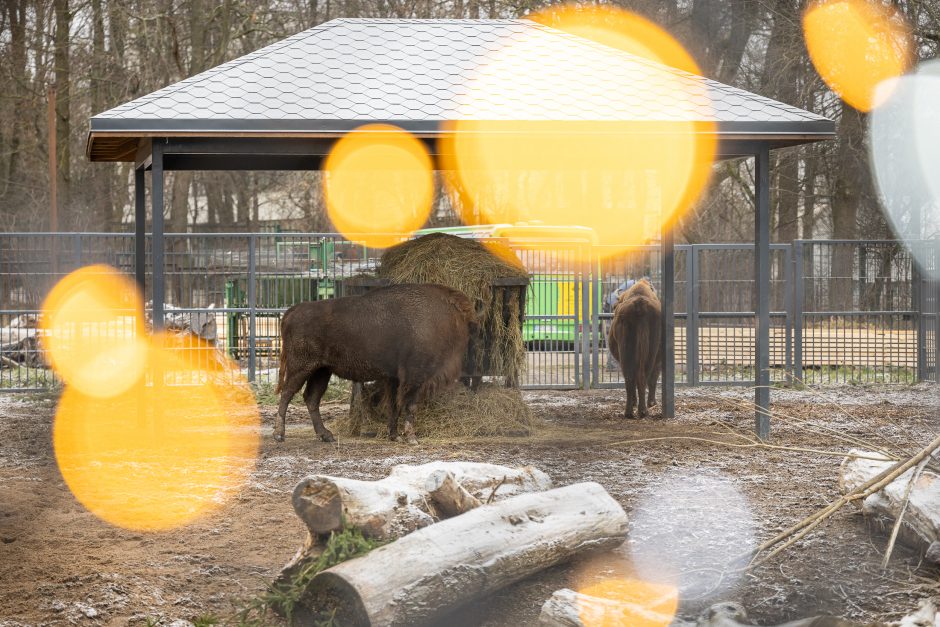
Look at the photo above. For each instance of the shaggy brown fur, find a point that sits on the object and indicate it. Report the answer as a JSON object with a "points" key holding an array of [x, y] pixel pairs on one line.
{"points": [[634, 342], [413, 338]]}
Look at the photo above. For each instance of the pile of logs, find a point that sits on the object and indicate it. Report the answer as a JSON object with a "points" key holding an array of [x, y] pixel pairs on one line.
{"points": [[460, 531], [19, 344]]}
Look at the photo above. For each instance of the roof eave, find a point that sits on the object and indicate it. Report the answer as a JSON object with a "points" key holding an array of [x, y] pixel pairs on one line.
{"points": [[122, 133]]}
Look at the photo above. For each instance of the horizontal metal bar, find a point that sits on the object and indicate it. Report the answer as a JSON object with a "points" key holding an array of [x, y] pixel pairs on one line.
{"points": [[859, 313]]}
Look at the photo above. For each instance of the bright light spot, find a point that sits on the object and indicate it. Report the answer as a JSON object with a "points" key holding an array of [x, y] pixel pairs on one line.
{"points": [[687, 530], [628, 602], [855, 45], [379, 185], [905, 151], [92, 327], [619, 29], [620, 144], [166, 451]]}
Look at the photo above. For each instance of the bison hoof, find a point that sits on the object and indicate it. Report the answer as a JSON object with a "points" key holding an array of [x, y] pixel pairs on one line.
{"points": [[327, 437], [278, 437], [412, 440]]}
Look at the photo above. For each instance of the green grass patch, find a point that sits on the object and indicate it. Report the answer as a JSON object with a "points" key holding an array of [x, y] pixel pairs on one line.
{"points": [[284, 597]]}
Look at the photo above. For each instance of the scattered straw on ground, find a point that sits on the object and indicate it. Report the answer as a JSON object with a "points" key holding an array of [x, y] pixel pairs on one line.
{"points": [[469, 266], [493, 410]]}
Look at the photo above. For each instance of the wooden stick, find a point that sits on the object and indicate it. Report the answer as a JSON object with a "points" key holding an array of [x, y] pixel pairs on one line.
{"points": [[905, 501], [800, 529]]}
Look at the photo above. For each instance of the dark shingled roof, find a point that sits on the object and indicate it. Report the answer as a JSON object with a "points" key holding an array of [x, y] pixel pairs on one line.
{"points": [[418, 74]]}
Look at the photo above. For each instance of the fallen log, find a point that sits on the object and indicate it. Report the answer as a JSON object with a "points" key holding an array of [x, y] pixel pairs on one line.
{"points": [[26, 351], [567, 608], [410, 498], [914, 496], [433, 571]]}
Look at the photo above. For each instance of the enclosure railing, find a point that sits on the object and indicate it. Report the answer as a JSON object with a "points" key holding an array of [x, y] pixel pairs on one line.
{"points": [[841, 311]]}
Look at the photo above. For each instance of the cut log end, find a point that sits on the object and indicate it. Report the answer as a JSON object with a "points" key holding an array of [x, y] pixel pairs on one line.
{"points": [[448, 496], [319, 504]]}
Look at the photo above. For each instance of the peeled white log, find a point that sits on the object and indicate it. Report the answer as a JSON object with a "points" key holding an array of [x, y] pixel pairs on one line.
{"points": [[921, 522], [402, 502], [567, 608], [925, 616], [431, 572]]}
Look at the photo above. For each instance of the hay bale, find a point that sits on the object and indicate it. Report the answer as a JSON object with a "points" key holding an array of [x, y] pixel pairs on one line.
{"points": [[493, 410], [471, 267]]}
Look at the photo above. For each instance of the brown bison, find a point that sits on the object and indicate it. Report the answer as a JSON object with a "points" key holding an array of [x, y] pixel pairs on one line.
{"points": [[634, 342], [413, 338]]}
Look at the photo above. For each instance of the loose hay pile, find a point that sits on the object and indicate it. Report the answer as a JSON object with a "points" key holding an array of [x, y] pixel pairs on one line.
{"points": [[493, 410], [469, 266]]}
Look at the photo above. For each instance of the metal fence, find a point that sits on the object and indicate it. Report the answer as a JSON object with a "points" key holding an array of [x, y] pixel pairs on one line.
{"points": [[841, 311]]}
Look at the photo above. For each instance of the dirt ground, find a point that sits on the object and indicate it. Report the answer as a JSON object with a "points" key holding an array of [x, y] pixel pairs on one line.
{"points": [[692, 504]]}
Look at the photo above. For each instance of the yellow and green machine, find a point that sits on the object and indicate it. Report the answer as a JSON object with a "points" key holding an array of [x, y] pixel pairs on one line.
{"points": [[554, 256]]}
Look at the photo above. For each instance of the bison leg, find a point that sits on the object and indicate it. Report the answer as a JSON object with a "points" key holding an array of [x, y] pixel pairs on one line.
{"points": [[316, 388], [411, 404], [641, 392], [292, 384], [629, 383], [653, 378], [391, 392]]}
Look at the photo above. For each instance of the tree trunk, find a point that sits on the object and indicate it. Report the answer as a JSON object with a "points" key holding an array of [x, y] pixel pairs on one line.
{"points": [[921, 526], [810, 158], [408, 499], [101, 176], [63, 24], [430, 573], [848, 192]]}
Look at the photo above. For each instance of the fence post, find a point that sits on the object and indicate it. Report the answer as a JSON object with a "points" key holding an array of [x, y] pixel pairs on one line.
{"points": [[691, 316], [917, 305], [935, 292], [77, 250], [585, 318], [251, 307], [787, 314], [596, 334], [797, 299]]}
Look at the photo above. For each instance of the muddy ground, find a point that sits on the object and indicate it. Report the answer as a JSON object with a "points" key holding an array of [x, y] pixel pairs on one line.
{"points": [[692, 504]]}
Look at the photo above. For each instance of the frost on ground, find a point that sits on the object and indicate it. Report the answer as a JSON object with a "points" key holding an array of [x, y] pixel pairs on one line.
{"points": [[693, 503]]}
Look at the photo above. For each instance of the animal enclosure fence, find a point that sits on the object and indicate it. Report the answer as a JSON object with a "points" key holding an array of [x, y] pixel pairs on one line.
{"points": [[841, 311]]}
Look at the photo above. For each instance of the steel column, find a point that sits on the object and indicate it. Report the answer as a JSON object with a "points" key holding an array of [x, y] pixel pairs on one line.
{"points": [[668, 346], [691, 317], [762, 280], [140, 231], [788, 314], [157, 244], [252, 309], [586, 337], [917, 305], [798, 311]]}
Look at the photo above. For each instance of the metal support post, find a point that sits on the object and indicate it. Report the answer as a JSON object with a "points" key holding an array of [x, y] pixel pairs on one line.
{"points": [[157, 243], [762, 280], [669, 324], [140, 232]]}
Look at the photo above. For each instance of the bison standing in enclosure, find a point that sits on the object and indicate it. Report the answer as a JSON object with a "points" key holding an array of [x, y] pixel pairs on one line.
{"points": [[634, 342], [413, 338]]}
